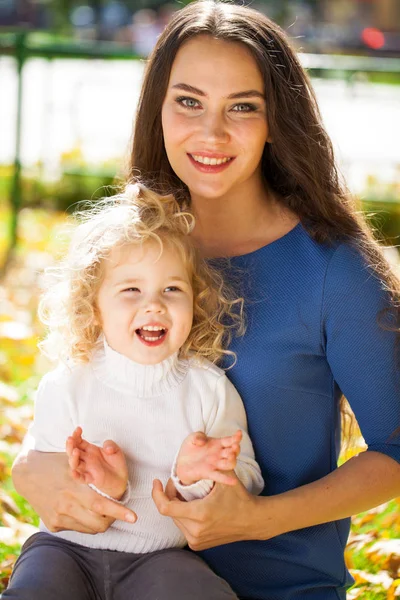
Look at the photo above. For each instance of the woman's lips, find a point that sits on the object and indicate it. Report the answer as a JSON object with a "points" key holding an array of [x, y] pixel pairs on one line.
{"points": [[210, 168]]}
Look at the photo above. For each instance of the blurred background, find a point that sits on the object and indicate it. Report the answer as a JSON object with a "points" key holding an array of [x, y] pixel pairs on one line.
{"points": [[70, 75]]}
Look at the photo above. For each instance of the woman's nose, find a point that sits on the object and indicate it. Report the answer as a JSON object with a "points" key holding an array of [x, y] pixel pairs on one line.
{"points": [[214, 128]]}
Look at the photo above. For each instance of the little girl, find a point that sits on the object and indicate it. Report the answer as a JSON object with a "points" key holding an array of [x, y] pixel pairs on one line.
{"points": [[137, 320]]}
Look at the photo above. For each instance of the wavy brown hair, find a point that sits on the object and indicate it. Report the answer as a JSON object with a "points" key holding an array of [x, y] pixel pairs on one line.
{"points": [[299, 166], [134, 216]]}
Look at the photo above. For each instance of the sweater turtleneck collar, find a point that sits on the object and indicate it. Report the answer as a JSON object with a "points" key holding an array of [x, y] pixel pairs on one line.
{"points": [[143, 381]]}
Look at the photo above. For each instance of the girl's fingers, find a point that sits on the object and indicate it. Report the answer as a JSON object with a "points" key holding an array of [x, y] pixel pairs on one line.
{"points": [[228, 453], [77, 476], [226, 464], [77, 435], [199, 438], [75, 458], [110, 447], [231, 439], [219, 477], [88, 478], [69, 446]]}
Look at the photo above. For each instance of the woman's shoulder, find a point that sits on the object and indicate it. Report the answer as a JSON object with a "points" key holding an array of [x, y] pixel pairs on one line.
{"points": [[353, 283], [348, 264]]}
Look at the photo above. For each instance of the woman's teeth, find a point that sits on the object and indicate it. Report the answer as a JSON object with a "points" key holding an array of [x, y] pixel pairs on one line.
{"points": [[206, 160]]}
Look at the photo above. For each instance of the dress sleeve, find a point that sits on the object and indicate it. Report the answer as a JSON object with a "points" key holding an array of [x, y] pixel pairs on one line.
{"points": [[53, 421], [361, 348]]}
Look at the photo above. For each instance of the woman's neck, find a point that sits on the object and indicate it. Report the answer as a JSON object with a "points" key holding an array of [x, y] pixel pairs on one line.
{"points": [[239, 224]]}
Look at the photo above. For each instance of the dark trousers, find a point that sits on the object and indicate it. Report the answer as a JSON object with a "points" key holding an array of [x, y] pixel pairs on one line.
{"points": [[50, 568]]}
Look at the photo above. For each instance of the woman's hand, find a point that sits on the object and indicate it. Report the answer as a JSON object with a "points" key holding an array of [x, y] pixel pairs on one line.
{"points": [[230, 513], [225, 515], [44, 479]]}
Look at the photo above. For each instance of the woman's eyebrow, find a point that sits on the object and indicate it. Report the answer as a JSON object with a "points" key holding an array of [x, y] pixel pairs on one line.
{"points": [[193, 90]]}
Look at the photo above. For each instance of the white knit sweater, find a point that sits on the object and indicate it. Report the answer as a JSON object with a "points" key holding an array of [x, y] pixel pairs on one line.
{"points": [[148, 410]]}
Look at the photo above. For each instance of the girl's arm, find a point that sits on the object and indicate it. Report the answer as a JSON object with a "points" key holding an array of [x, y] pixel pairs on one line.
{"points": [[231, 514], [41, 472], [225, 417]]}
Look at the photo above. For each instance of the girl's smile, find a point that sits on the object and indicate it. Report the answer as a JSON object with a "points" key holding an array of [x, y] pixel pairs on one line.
{"points": [[152, 334]]}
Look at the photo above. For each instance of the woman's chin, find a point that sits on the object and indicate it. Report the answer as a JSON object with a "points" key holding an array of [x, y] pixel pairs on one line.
{"points": [[209, 192]]}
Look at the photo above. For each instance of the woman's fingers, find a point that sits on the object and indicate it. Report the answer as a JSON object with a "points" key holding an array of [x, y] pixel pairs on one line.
{"points": [[107, 508], [170, 490], [174, 507]]}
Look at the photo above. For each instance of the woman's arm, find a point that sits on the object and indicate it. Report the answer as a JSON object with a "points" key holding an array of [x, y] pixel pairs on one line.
{"points": [[44, 479], [231, 514]]}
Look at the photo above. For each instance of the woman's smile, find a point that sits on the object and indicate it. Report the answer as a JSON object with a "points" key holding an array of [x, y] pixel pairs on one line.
{"points": [[210, 163]]}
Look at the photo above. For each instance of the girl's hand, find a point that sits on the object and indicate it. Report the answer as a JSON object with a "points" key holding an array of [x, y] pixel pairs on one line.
{"points": [[104, 467], [44, 479], [202, 457], [222, 517]]}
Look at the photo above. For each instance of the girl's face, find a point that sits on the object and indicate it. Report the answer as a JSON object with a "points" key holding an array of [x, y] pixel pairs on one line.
{"points": [[145, 302], [214, 117]]}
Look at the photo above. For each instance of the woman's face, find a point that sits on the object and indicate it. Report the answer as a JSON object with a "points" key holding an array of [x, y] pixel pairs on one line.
{"points": [[214, 117]]}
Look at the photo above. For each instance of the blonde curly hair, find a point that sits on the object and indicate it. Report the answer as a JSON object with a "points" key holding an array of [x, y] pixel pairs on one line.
{"points": [[137, 215]]}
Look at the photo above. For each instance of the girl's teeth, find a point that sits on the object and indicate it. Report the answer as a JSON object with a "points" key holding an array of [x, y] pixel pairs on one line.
{"points": [[206, 160]]}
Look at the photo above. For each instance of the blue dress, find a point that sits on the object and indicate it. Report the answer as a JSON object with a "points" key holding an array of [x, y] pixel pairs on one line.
{"points": [[312, 334]]}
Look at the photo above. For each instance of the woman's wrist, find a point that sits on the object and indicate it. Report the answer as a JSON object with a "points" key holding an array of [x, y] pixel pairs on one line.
{"points": [[265, 518], [361, 483]]}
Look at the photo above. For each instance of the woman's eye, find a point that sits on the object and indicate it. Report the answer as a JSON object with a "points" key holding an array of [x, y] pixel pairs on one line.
{"points": [[244, 107], [188, 102]]}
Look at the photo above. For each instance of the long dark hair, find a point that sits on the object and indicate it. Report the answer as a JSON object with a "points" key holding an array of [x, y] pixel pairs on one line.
{"points": [[299, 165]]}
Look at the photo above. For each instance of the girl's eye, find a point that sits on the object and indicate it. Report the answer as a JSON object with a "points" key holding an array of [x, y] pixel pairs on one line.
{"points": [[190, 103], [244, 107], [131, 289], [172, 288]]}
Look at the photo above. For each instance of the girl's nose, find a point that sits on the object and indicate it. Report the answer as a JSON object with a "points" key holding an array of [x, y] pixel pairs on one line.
{"points": [[154, 305]]}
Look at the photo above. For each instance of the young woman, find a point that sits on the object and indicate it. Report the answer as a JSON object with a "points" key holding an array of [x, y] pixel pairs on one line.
{"points": [[227, 120]]}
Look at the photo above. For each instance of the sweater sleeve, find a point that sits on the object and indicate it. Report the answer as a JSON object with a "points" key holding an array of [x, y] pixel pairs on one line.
{"points": [[53, 421], [360, 348], [226, 416]]}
